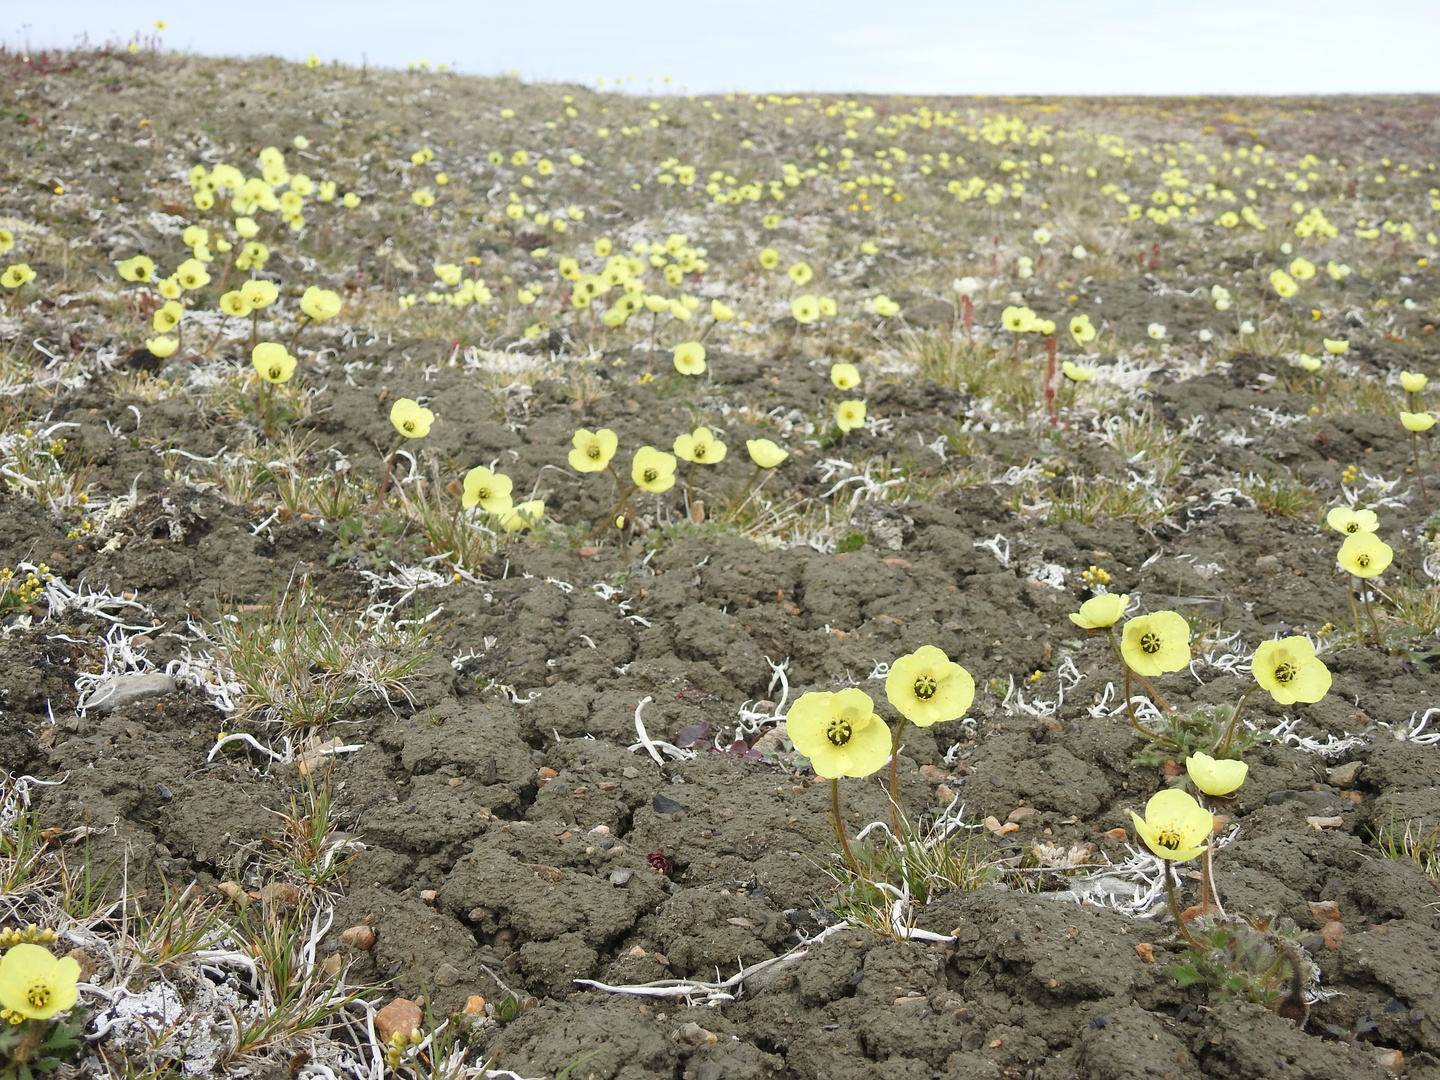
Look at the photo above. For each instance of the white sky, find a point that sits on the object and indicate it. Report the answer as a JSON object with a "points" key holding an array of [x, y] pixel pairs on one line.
{"points": [[914, 46]]}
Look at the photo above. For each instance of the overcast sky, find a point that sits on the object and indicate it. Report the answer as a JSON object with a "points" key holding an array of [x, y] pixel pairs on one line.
{"points": [[915, 46]]}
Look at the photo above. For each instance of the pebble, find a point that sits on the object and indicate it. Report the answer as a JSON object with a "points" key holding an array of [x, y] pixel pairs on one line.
{"points": [[620, 876], [1344, 775], [401, 1017], [663, 804], [359, 937], [120, 690], [1268, 564]]}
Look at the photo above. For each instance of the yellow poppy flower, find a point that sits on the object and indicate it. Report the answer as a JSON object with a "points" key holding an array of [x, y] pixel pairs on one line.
{"points": [[927, 687], [1156, 643], [1215, 777], [845, 376], [769, 258], [524, 516], [1336, 346], [765, 453], [259, 293], [411, 419], [1017, 320], [690, 358], [1302, 269], [1343, 519], [1365, 555], [167, 316], [1290, 670], [850, 415], [800, 273], [721, 312], [1082, 329], [423, 197], [487, 490], [320, 304], [1076, 373], [234, 303], [1175, 826], [1101, 611], [592, 449], [191, 274], [168, 288], [1412, 382], [1310, 363], [653, 470], [805, 308], [350, 200], [884, 306], [1283, 284], [34, 984], [839, 733], [138, 268], [700, 447], [273, 362], [162, 346], [1417, 421]]}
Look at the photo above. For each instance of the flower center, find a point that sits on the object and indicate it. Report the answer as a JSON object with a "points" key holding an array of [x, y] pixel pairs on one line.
{"points": [[1285, 671], [700, 452], [1352, 526], [1150, 643], [650, 475], [925, 687], [838, 731], [408, 425], [1167, 836], [593, 451], [1362, 560], [38, 994], [274, 372]]}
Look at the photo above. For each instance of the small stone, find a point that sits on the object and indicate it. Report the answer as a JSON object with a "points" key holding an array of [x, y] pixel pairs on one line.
{"points": [[331, 965], [620, 876], [280, 893], [1145, 951], [692, 1033], [359, 937], [934, 773], [1390, 1060], [1333, 934], [474, 1005], [1021, 812], [1324, 911], [447, 974], [665, 805], [234, 892], [631, 773], [1268, 564], [428, 896], [401, 1017], [943, 795], [548, 773], [1322, 822], [455, 781], [1344, 775], [120, 690]]}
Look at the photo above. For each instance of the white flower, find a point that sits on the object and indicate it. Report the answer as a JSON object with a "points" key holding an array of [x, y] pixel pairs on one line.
{"points": [[1247, 327], [967, 286], [1205, 335], [1156, 330], [1078, 252]]}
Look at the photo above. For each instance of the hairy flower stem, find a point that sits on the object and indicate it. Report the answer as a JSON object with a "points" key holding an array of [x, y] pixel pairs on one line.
{"points": [[1129, 705], [254, 328], [690, 494], [304, 322], [1370, 611], [1222, 748], [840, 826], [1420, 476], [894, 778], [1174, 899], [1354, 611], [1207, 884], [385, 479]]}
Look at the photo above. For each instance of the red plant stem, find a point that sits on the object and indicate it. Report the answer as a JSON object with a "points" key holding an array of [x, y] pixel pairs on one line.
{"points": [[1050, 352]]}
